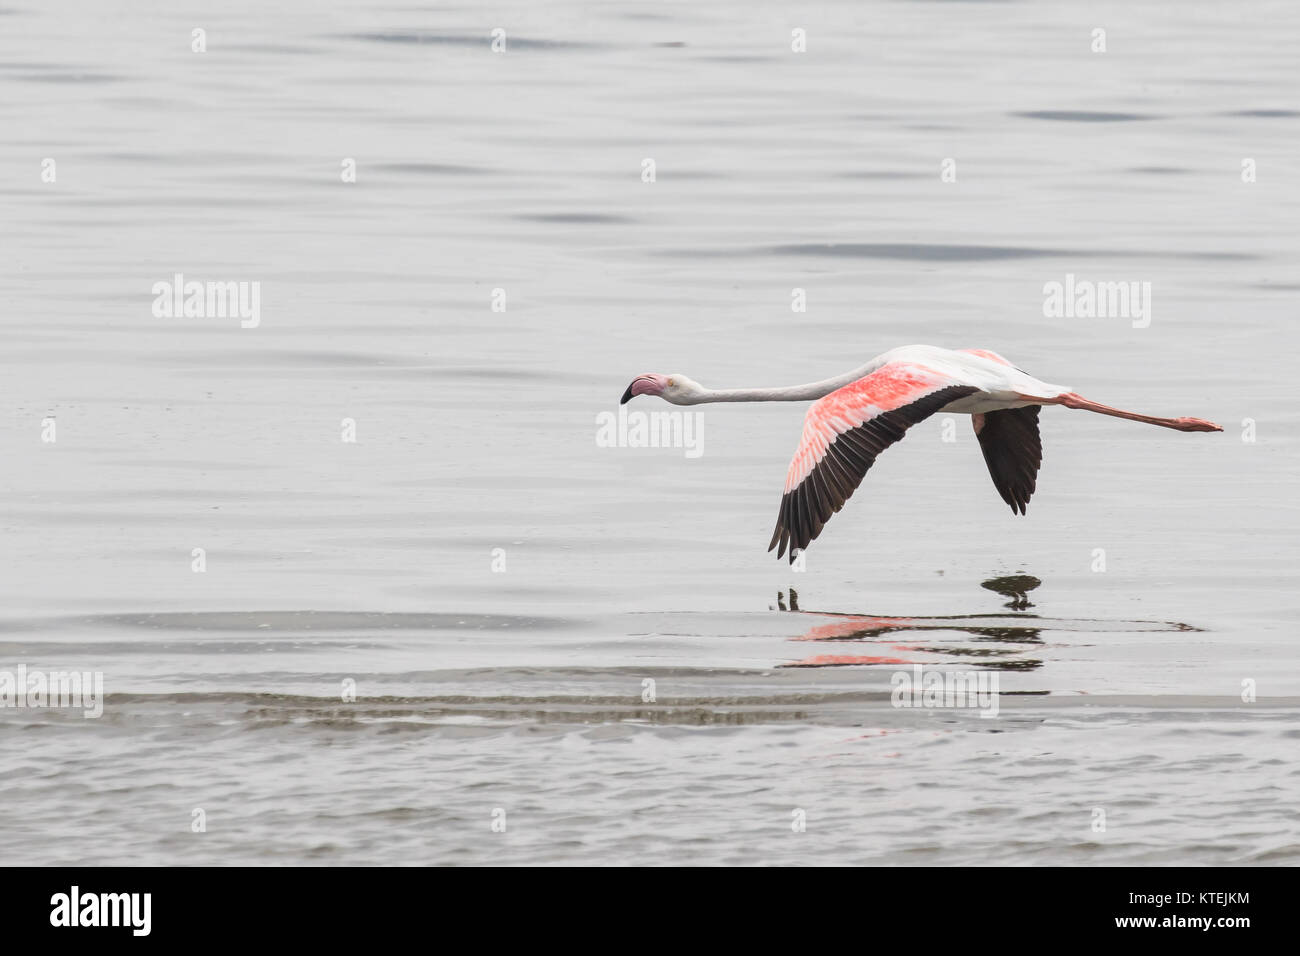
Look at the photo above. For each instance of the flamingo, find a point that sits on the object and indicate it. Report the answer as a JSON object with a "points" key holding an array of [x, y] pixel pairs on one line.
{"points": [[857, 415]]}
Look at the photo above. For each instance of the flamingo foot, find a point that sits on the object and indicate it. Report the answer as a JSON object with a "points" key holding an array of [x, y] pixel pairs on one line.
{"points": [[1196, 425]]}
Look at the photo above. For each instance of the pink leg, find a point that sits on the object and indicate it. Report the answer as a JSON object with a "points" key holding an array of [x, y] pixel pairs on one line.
{"points": [[1073, 400]]}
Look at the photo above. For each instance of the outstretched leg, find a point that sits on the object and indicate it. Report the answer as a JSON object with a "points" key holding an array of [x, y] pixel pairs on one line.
{"points": [[1073, 400]]}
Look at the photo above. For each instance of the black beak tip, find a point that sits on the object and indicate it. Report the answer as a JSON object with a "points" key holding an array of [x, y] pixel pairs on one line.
{"points": [[627, 396]]}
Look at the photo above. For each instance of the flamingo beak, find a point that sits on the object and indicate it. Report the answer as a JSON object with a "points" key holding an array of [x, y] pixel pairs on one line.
{"points": [[640, 386]]}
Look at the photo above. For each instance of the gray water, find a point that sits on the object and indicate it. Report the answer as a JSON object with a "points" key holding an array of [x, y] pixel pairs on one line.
{"points": [[1163, 565]]}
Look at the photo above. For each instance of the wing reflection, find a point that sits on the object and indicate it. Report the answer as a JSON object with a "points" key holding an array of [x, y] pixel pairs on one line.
{"points": [[997, 641]]}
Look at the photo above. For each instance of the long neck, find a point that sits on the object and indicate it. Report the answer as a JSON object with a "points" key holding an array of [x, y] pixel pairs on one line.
{"points": [[789, 393]]}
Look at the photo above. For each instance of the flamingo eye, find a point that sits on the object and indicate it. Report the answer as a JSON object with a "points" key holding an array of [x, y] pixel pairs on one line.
{"points": [[671, 382]]}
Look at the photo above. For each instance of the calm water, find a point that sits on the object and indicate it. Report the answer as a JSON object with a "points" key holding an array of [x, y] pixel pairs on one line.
{"points": [[1154, 574]]}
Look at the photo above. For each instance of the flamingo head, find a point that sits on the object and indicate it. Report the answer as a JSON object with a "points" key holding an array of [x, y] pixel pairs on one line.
{"points": [[677, 389]]}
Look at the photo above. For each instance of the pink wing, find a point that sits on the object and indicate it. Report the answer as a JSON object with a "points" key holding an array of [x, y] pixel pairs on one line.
{"points": [[842, 435], [986, 354]]}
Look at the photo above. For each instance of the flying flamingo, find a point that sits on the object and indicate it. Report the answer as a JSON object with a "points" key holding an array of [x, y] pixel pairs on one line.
{"points": [[858, 415]]}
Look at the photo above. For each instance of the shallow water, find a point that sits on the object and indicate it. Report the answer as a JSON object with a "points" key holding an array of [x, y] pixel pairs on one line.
{"points": [[1154, 574]]}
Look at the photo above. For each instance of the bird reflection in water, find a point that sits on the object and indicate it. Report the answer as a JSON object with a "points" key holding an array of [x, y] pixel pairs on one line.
{"points": [[997, 641], [1015, 632], [1014, 586]]}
